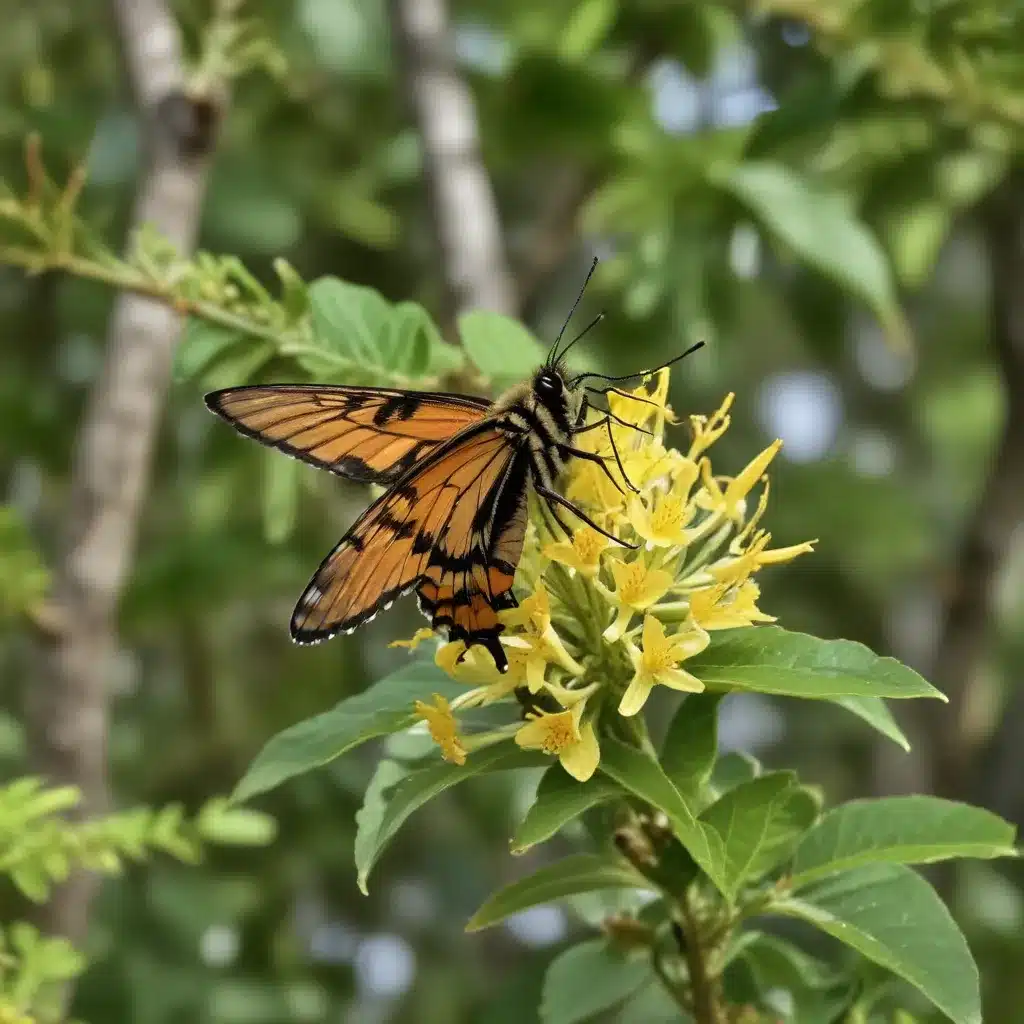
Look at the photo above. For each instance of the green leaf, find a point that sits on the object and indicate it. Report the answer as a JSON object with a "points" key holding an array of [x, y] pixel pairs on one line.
{"points": [[779, 964], [587, 27], [894, 917], [349, 320], [417, 787], [757, 821], [412, 340], [794, 815], [652, 1005], [688, 753], [201, 344], [914, 235], [768, 659], [58, 960], [876, 713], [383, 708], [370, 817], [899, 829], [641, 774], [588, 979], [32, 881], [500, 347], [24, 578], [238, 364], [814, 990], [732, 770], [560, 799], [821, 228], [583, 872], [221, 823], [294, 290]]}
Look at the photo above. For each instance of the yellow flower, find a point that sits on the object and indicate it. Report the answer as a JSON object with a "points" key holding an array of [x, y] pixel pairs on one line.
{"points": [[583, 555], [533, 611], [444, 729], [560, 733], [636, 588], [539, 645], [707, 430], [475, 666], [659, 662], [588, 484], [735, 569], [663, 523], [730, 502], [726, 607], [424, 633]]}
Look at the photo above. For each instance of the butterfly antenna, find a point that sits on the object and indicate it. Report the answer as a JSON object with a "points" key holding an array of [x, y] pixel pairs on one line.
{"points": [[554, 347], [639, 373], [593, 323]]}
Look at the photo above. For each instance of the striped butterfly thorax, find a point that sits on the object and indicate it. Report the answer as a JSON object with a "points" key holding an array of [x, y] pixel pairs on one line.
{"points": [[458, 471]]}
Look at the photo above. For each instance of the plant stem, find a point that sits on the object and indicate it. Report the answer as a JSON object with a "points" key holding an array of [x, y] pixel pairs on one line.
{"points": [[702, 985], [672, 987], [125, 277]]}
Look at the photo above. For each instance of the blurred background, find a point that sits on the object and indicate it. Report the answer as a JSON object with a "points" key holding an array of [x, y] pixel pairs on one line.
{"points": [[829, 193]]}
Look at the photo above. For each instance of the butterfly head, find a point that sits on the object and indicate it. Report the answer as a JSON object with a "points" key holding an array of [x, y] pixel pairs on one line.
{"points": [[552, 391]]}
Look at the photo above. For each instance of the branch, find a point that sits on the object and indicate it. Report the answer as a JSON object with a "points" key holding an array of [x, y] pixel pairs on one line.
{"points": [[217, 289], [67, 713], [967, 613], [703, 986], [462, 202]]}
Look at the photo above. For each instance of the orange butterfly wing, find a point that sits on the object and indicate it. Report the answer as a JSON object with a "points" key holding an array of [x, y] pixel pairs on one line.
{"points": [[372, 435], [453, 527]]}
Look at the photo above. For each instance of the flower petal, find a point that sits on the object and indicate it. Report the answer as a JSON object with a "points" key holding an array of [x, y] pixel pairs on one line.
{"points": [[424, 633], [679, 679], [581, 759], [693, 641], [636, 694]]}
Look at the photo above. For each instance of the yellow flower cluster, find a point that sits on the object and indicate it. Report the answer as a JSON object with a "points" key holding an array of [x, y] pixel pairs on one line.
{"points": [[602, 624]]}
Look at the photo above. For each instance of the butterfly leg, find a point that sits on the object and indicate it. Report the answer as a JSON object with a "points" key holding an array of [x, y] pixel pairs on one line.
{"points": [[581, 416], [552, 496], [607, 423], [615, 419], [602, 461], [558, 520], [618, 461], [623, 394]]}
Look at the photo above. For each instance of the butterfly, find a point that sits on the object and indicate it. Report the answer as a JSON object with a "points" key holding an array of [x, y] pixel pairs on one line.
{"points": [[458, 471]]}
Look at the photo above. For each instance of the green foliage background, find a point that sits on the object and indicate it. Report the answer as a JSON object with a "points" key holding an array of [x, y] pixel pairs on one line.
{"points": [[833, 250]]}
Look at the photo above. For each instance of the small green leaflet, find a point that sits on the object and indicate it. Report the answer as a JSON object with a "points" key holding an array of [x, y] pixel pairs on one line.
{"points": [[589, 979], [894, 917], [768, 659], [383, 708], [642, 775], [688, 753], [500, 347], [758, 822], [382, 818], [899, 829], [823, 229], [560, 799], [876, 713], [583, 872]]}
